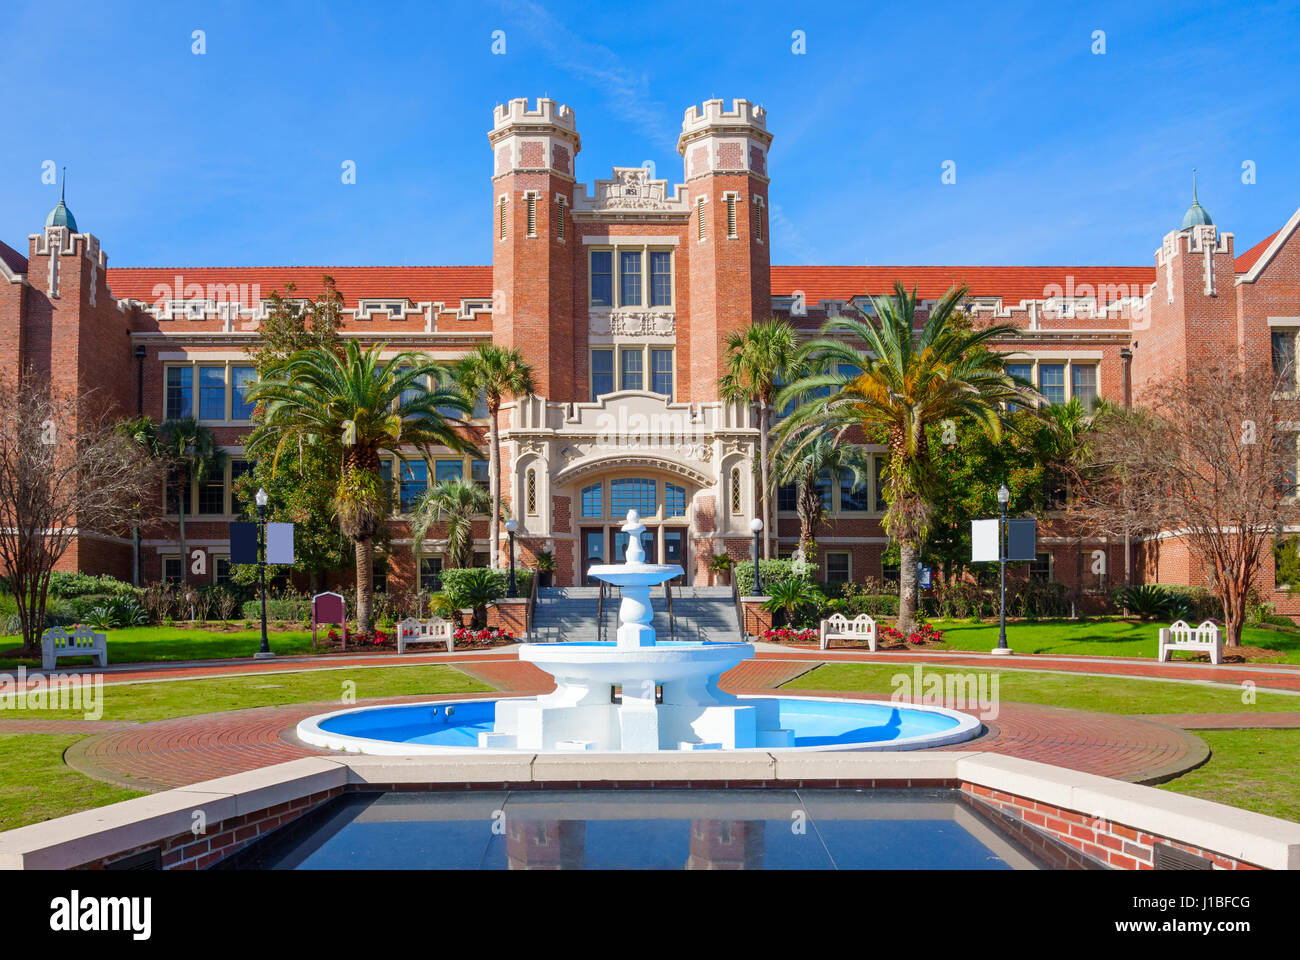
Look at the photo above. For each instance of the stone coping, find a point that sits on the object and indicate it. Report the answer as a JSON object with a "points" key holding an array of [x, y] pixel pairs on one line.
{"points": [[91, 835]]}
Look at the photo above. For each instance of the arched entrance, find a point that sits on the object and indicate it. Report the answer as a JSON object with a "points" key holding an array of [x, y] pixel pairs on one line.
{"points": [[663, 500]]}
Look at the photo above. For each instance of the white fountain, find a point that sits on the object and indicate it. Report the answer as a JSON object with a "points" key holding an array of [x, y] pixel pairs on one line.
{"points": [[636, 694]]}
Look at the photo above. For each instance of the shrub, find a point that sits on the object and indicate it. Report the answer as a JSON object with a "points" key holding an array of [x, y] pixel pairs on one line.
{"points": [[474, 587], [1036, 599], [277, 608], [117, 613], [64, 584], [1152, 601], [771, 571]]}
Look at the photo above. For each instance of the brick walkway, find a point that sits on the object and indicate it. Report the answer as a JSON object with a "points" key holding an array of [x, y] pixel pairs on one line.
{"points": [[171, 753]]}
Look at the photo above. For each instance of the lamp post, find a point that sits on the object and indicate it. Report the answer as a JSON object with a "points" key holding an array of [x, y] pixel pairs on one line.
{"points": [[757, 526], [1004, 496], [513, 589], [262, 499]]}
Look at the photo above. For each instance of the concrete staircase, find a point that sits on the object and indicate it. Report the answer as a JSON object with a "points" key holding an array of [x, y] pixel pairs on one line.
{"points": [[569, 614]]}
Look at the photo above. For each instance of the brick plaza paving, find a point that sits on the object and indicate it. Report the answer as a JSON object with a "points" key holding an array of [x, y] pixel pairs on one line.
{"points": [[175, 752]]}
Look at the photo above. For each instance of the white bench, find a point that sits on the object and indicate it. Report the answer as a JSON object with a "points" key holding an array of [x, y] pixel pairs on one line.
{"points": [[83, 642], [1180, 636], [840, 627], [433, 630]]}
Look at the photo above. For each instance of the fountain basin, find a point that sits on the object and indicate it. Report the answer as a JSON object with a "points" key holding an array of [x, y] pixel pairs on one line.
{"points": [[817, 724]]}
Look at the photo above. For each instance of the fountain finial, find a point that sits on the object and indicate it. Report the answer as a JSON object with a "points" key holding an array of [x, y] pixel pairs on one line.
{"points": [[634, 528]]}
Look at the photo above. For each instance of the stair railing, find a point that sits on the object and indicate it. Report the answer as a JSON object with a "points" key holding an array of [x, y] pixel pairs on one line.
{"points": [[531, 607], [672, 620], [740, 609], [600, 611]]}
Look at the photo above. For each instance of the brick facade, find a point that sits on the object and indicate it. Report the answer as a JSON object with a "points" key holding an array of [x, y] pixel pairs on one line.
{"points": [[568, 451]]}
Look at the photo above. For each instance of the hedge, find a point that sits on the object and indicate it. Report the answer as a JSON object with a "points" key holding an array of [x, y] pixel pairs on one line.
{"points": [[770, 570]]}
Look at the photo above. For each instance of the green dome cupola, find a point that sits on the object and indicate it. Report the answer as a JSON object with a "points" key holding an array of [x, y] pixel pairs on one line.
{"points": [[61, 216], [1196, 215]]}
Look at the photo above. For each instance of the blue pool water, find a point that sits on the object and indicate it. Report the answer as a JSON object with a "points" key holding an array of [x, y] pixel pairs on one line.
{"points": [[642, 830], [815, 722]]}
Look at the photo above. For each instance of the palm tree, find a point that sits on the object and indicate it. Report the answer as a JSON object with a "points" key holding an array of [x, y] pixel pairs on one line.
{"points": [[144, 432], [758, 360], [909, 380], [825, 455], [497, 373], [194, 457], [455, 503], [361, 408]]}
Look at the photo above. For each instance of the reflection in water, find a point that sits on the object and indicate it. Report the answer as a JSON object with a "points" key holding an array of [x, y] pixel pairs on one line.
{"points": [[546, 844], [562, 844], [726, 845]]}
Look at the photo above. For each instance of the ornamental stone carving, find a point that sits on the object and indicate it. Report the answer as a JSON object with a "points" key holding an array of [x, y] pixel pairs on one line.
{"points": [[631, 189], [634, 323]]}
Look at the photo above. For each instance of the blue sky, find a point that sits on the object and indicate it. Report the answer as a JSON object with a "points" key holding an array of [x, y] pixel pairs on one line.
{"points": [[1062, 156]]}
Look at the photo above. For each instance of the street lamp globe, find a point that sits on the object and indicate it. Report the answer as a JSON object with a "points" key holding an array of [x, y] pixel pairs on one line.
{"points": [[756, 524], [511, 526], [261, 497], [1004, 495]]}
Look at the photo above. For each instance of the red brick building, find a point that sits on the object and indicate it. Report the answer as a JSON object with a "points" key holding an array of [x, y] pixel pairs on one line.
{"points": [[621, 294]]}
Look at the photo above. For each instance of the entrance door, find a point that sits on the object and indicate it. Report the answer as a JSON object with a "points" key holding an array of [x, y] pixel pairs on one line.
{"points": [[618, 544], [675, 548], [593, 551]]}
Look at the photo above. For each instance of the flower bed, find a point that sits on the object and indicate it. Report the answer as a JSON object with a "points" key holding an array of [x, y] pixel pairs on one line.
{"points": [[382, 640], [787, 635]]}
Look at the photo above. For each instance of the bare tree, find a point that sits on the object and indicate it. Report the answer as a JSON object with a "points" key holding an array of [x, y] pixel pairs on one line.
{"points": [[1211, 461], [64, 471]]}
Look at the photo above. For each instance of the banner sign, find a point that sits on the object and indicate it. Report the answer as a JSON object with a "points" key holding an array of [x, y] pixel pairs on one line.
{"points": [[1022, 539], [243, 542], [279, 543], [984, 540]]}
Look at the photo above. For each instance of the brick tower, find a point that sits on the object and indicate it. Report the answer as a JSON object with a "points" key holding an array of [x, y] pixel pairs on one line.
{"points": [[533, 238], [725, 157], [1193, 306]]}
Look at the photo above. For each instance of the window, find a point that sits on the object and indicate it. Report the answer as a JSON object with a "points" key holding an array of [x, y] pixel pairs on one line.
{"points": [[448, 470], [178, 494], [699, 217], [531, 205], [591, 501], [674, 500], [602, 373], [629, 286], [879, 464], [851, 499], [386, 478], [632, 361], [241, 378], [632, 494], [1083, 384], [479, 473], [1040, 568], [430, 574], [1051, 382], [787, 497], [661, 278], [531, 492], [661, 372], [238, 467], [171, 569], [414, 481], [501, 218], [889, 573], [412, 392], [559, 218], [823, 488], [1020, 371], [180, 392], [212, 496], [380, 574], [1284, 353], [220, 570], [212, 393], [480, 411], [735, 490], [602, 278], [837, 568]]}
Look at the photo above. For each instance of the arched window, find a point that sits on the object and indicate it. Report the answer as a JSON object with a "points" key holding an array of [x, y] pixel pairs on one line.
{"points": [[592, 502], [632, 493], [532, 492], [735, 490], [674, 500]]}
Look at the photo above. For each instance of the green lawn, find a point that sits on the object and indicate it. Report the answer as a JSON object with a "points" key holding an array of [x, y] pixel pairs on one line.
{"points": [[36, 785], [1103, 694], [1106, 637], [162, 644], [1251, 769]]}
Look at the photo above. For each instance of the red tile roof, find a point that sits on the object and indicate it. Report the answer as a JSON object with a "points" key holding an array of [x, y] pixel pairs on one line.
{"points": [[1012, 284], [448, 285], [14, 260], [1248, 259]]}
